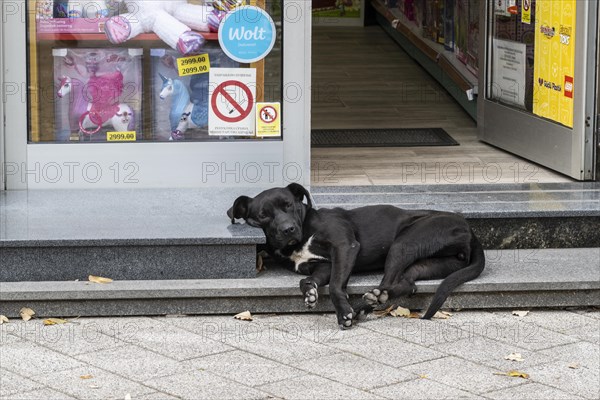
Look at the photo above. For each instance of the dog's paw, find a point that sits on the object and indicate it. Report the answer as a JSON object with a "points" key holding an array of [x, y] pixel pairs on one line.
{"points": [[311, 297], [346, 320], [376, 297]]}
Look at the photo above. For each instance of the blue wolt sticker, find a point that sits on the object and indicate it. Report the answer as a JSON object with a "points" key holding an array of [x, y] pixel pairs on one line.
{"points": [[247, 34]]}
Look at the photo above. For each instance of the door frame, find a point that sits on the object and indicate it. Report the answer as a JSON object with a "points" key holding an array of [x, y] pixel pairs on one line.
{"points": [[266, 162], [545, 136]]}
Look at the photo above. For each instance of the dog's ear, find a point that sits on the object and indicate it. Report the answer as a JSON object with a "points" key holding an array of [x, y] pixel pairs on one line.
{"points": [[300, 193], [239, 209]]}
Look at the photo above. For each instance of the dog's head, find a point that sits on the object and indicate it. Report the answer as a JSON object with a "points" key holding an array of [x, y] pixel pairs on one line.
{"points": [[279, 212]]}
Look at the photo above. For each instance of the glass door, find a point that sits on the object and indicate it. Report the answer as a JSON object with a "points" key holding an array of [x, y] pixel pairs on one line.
{"points": [[156, 93], [540, 82]]}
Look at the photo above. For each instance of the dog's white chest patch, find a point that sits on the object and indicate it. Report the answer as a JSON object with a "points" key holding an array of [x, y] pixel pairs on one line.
{"points": [[304, 255]]}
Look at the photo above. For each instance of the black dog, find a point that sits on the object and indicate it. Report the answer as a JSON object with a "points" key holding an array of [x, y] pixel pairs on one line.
{"points": [[331, 244]]}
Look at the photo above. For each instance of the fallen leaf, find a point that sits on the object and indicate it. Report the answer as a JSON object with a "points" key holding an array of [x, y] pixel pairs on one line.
{"points": [[3, 319], [514, 357], [94, 386], [244, 316], [383, 313], [442, 315], [86, 376], [520, 313], [54, 321], [127, 396], [260, 265], [26, 313], [415, 315], [400, 312], [423, 376], [515, 374], [573, 366], [99, 279]]}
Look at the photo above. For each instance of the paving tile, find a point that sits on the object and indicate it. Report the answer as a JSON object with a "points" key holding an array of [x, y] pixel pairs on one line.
{"points": [[488, 352], [199, 385], [418, 331], [586, 355], [422, 389], [121, 328], [174, 342], [8, 338], [513, 330], [387, 350], [244, 367], [282, 346], [30, 359], [531, 391], [582, 382], [315, 387], [102, 385], [581, 326], [11, 383], [133, 362], [40, 394], [352, 370], [157, 396], [220, 328], [320, 328], [464, 375]]}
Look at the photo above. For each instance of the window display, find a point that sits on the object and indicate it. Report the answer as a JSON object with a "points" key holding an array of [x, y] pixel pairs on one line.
{"points": [[123, 71]]}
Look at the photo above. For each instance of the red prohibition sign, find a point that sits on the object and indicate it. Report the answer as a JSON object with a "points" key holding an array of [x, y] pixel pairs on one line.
{"points": [[268, 114], [220, 90]]}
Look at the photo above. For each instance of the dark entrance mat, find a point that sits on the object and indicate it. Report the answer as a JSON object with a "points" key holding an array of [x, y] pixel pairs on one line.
{"points": [[406, 137]]}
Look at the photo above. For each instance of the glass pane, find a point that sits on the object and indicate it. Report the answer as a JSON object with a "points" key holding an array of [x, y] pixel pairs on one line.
{"points": [[122, 71], [532, 57]]}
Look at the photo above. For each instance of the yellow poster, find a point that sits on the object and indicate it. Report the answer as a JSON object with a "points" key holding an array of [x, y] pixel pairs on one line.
{"points": [[526, 11], [268, 121], [554, 64]]}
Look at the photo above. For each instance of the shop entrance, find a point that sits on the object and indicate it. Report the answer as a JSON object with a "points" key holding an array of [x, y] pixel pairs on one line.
{"points": [[540, 84], [363, 79]]}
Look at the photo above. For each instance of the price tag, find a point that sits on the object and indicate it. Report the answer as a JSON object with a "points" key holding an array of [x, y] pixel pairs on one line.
{"points": [[193, 65], [128, 136]]}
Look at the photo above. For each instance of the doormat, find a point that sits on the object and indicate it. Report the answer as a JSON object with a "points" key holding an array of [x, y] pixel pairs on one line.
{"points": [[405, 137]]}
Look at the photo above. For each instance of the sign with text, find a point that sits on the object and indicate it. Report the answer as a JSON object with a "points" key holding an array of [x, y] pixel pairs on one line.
{"points": [[247, 34], [554, 60], [232, 97]]}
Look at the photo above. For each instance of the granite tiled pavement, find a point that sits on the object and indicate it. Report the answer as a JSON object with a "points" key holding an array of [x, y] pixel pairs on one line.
{"points": [[304, 357]]}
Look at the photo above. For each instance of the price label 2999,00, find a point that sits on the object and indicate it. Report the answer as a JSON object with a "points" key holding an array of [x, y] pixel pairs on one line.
{"points": [[193, 65], [129, 136]]}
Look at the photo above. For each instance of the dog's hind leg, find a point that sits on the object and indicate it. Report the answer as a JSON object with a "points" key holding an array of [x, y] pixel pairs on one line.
{"points": [[342, 264]]}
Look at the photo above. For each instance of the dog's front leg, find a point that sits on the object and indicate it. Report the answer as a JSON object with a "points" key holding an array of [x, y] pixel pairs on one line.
{"points": [[342, 264], [309, 285]]}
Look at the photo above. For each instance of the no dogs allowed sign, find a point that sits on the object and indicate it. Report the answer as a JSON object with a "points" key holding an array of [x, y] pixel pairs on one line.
{"points": [[232, 97]]}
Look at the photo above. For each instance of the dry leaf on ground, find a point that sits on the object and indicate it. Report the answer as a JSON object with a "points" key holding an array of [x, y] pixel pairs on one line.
{"points": [[26, 313], [442, 315], [515, 374], [423, 376], [54, 321], [520, 313], [573, 366], [383, 313], [400, 312], [260, 264], [3, 319], [244, 316], [99, 279], [127, 396], [514, 357], [86, 376]]}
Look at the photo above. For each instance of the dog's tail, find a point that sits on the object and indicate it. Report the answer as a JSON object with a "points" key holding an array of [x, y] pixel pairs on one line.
{"points": [[452, 281]]}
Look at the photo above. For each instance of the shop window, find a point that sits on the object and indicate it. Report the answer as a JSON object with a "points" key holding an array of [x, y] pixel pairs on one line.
{"points": [[130, 71]]}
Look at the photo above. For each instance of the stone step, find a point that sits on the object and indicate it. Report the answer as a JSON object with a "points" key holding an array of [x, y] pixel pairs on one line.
{"points": [[61, 235], [512, 279], [536, 215]]}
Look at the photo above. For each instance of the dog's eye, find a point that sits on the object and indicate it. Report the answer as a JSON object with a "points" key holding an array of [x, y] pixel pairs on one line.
{"points": [[262, 215], [289, 205]]}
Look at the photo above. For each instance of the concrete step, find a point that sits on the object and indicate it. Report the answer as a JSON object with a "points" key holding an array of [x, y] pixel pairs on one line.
{"points": [[62, 235], [512, 279], [525, 216]]}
